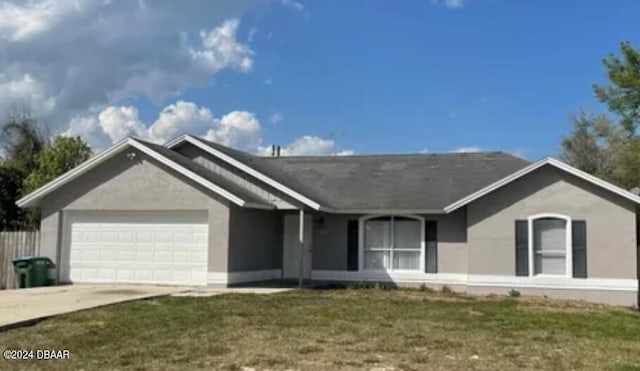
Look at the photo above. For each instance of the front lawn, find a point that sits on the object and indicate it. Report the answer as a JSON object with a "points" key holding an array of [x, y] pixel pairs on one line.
{"points": [[338, 329]]}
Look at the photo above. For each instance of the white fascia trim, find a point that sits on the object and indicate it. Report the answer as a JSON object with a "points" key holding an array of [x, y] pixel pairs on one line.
{"points": [[73, 173], [223, 278], [399, 277], [233, 162], [117, 148], [385, 211], [545, 161], [558, 283], [536, 282]]}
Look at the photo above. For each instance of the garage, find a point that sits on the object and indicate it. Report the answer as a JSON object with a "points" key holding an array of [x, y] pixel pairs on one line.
{"points": [[136, 247]]}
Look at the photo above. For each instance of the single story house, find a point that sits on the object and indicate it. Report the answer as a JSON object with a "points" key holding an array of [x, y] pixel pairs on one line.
{"points": [[193, 212]]}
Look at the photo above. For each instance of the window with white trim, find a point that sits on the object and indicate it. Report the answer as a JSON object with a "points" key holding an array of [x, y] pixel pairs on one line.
{"points": [[392, 243], [550, 245]]}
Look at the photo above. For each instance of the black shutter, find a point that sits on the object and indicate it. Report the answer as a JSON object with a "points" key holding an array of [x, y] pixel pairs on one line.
{"points": [[579, 248], [352, 245], [522, 248], [431, 251]]}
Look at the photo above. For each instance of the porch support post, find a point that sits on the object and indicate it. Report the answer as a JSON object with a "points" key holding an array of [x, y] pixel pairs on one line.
{"points": [[301, 242]]}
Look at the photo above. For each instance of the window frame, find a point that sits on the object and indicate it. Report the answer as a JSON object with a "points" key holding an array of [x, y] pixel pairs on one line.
{"points": [[361, 243], [568, 271]]}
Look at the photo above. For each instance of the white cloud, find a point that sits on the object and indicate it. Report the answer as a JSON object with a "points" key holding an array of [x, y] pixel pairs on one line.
{"points": [[25, 86], [238, 129], [221, 50], [119, 122], [76, 61], [178, 118], [70, 57], [277, 117], [21, 22], [467, 149], [309, 145], [345, 152], [471, 149]]}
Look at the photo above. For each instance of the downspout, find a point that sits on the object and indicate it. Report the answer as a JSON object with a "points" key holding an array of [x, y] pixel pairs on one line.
{"points": [[301, 243]]}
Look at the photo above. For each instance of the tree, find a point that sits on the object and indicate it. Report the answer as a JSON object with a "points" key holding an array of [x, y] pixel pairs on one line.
{"points": [[62, 155], [23, 137], [622, 96], [11, 216], [599, 147], [30, 161]]}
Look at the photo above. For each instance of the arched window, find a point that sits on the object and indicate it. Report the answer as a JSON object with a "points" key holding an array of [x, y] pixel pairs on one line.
{"points": [[392, 243], [550, 245]]}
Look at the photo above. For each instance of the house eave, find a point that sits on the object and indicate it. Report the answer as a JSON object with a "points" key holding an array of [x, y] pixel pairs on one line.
{"points": [[35, 196], [388, 211], [534, 166], [244, 168]]}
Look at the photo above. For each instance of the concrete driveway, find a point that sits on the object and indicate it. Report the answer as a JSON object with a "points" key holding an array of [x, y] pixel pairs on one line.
{"points": [[27, 305]]}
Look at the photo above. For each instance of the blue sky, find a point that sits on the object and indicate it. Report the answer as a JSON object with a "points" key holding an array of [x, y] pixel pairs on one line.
{"points": [[402, 76], [374, 76]]}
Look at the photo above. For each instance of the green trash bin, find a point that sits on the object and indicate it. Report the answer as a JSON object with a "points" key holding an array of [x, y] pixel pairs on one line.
{"points": [[32, 271], [22, 270]]}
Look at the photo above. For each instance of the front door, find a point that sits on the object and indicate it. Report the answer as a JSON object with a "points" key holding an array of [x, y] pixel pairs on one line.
{"points": [[291, 248]]}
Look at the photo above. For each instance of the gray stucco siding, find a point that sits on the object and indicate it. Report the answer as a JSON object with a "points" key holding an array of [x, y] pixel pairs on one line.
{"points": [[140, 184], [623, 298], [611, 223], [330, 242], [329, 245], [255, 240]]}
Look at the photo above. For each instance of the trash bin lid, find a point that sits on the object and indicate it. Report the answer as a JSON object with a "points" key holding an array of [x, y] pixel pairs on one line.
{"points": [[24, 258], [31, 258]]}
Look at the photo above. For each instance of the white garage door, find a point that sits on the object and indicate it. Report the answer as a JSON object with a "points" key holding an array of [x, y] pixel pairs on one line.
{"points": [[155, 248]]}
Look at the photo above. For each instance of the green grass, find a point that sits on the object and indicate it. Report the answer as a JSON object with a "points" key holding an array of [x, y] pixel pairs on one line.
{"points": [[338, 329]]}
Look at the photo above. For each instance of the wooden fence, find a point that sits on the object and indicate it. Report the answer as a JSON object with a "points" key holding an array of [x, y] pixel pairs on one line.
{"points": [[12, 245]]}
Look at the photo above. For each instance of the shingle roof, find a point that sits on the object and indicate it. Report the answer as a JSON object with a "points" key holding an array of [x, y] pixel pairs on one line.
{"points": [[206, 173], [410, 182], [264, 166], [373, 182]]}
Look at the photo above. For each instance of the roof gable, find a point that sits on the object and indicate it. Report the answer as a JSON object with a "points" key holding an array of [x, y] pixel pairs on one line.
{"points": [[536, 165], [255, 166], [160, 154]]}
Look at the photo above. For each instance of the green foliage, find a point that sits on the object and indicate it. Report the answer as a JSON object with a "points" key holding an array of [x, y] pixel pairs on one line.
{"points": [[599, 147], [11, 216], [62, 155], [30, 161], [622, 96], [21, 140]]}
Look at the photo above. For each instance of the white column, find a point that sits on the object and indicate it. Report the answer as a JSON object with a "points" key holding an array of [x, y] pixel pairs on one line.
{"points": [[301, 242]]}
